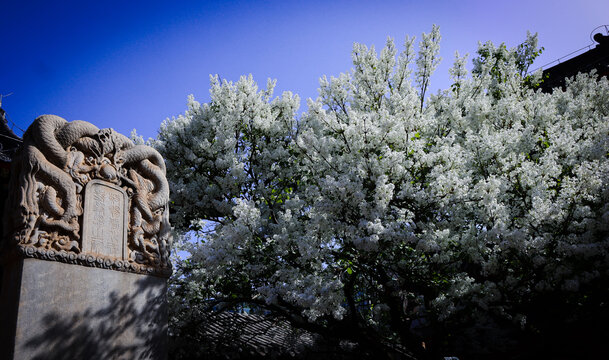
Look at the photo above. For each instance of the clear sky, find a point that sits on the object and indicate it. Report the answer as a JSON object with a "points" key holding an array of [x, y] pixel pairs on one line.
{"points": [[129, 64]]}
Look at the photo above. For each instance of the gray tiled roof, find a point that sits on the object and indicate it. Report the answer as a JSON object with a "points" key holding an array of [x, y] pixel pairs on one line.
{"points": [[228, 335], [256, 335]]}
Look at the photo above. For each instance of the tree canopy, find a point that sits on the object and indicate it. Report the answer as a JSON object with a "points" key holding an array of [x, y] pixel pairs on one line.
{"points": [[461, 222]]}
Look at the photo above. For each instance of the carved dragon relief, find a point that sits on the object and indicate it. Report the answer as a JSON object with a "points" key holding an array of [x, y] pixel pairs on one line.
{"points": [[45, 206]]}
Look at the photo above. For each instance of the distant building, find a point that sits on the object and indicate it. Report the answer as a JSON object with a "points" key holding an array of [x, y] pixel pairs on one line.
{"points": [[9, 143], [596, 58]]}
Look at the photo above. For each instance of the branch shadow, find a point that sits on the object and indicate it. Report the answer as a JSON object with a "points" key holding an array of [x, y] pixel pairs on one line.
{"points": [[129, 326]]}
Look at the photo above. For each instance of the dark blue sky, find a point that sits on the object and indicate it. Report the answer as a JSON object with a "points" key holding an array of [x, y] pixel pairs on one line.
{"points": [[128, 64]]}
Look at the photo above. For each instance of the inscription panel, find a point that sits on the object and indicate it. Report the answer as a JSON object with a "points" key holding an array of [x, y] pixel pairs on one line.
{"points": [[105, 220]]}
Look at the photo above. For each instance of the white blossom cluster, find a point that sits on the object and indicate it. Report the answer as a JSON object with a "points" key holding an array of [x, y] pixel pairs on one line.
{"points": [[381, 196]]}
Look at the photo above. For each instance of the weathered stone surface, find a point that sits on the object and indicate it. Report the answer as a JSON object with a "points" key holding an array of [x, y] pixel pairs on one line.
{"points": [[105, 220], [58, 164], [74, 312]]}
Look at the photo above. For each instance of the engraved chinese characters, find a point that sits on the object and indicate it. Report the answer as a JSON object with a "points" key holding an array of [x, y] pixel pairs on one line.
{"points": [[104, 219], [84, 195]]}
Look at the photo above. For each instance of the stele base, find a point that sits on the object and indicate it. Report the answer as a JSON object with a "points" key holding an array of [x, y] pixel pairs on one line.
{"points": [[53, 310]]}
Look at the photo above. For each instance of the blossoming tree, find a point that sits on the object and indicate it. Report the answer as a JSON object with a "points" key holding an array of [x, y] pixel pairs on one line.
{"points": [[392, 218]]}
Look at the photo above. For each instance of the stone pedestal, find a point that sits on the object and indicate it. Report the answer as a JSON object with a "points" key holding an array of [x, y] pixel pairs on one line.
{"points": [[54, 310]]}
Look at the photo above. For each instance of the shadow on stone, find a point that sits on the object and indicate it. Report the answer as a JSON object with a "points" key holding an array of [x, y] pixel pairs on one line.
{"points": [[69, 321]]}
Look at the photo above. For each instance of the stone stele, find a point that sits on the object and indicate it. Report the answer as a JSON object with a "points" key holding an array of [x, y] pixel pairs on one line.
{"points": [[85, 253]]}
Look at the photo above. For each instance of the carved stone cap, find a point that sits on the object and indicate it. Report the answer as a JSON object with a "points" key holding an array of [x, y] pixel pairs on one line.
{"points": [[87, 196]]}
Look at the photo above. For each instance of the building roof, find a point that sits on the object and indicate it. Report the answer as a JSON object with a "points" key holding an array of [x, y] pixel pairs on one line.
{"points": [[229, 335], [257, 335], [220, 335], [596, 58], [9, 142]]}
